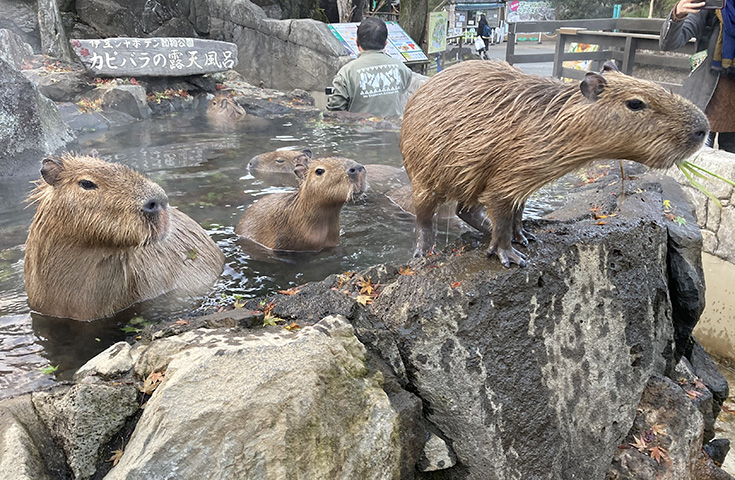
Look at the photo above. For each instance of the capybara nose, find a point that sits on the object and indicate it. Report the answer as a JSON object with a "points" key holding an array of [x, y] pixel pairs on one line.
{"points": [[698, 136], [356, 170], [155, 205]]}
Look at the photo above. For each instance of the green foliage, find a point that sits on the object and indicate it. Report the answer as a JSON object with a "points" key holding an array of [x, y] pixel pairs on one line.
{"points": [[583, 9], [49, 369]]}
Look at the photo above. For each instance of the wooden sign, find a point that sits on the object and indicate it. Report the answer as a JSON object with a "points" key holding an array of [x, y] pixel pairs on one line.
{"points": [[155, 57]]}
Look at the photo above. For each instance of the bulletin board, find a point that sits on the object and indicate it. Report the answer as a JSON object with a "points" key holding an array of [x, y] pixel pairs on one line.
{"points": [[399, 46]]}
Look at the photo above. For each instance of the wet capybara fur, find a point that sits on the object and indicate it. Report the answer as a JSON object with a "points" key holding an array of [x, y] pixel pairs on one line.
{"points": [[104, 237], [484, 133], [380, 178], [225, 112], [279, 161], [307, 219]]}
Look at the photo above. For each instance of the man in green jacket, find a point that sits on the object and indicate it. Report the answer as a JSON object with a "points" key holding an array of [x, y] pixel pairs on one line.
{"points": [[373, 82]]}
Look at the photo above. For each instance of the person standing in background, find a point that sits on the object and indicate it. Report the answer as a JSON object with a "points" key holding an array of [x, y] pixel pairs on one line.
{"points": [[484, 31], [711, 84], [373, 82]]}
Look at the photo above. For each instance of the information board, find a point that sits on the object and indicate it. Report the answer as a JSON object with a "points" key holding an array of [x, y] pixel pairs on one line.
{"points": [[437, 32], [399, 46]]}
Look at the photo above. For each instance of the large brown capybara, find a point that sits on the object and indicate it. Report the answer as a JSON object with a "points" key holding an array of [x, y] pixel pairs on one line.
{"points": [[104, 237], [380, 178], [308, 219], [541, 129]]}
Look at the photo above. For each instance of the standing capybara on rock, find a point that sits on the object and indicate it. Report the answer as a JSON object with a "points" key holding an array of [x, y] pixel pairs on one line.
{"points": [[542, 129], [308, 219], [104, 238]]}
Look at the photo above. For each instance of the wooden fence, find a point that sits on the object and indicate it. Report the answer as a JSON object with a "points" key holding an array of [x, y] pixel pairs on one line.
{"points": [[629, 41]]}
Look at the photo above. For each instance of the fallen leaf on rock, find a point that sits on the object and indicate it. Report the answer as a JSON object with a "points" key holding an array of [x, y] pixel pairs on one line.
{"points": [[659, 453], [364, 300], [181, 322], [406, 271], [659, 429], [152, 382], [640, 444], [116, 456], [293, 326], [693, 394], [290, 291], [456, 284]]}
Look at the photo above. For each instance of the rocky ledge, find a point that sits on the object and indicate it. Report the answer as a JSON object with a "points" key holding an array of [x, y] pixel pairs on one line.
{"points": [[579, 366]]}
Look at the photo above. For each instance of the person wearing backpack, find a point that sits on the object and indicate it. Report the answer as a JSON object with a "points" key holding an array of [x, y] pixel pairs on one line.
{"points": [[485, 32]]}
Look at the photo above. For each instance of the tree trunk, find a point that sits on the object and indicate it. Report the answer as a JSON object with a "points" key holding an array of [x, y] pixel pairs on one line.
{"points": [[413, 18]]}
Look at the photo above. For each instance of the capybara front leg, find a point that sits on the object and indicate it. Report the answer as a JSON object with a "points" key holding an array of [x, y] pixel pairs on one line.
{"points": [[473, 216], [520, 234], [500, 245]]}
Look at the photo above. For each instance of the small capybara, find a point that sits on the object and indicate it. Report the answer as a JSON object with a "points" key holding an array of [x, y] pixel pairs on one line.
{"points": [[225, 112], [541, 129], [308, 219], [380, 178], [279, 161], [104, 237]]}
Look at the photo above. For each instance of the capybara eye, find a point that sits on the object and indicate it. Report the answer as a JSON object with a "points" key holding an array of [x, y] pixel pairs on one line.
{"points": [[319, 171], [635, 104], [87, 184], [279, 160]]}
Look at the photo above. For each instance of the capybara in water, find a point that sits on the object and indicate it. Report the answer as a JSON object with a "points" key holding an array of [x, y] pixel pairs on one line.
{"points": [[224, 110], [104, 237], [308, 219], [279, 161], [379, 177], [541, 129]]}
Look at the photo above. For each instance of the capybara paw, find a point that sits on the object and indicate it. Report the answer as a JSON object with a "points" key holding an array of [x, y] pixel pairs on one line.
{"points": [[523, 237], [508, 256]]}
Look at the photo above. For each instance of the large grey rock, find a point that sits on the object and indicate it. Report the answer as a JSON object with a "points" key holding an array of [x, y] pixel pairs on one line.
{"points": [[83, 418], [266, 406], [20, 18], [13, 49], [114, 361], [109, 18], [66, 85], [666, 438], [283, 54], [26, 449], [524, 370], [684, 263], [30, 125], [54, 41]]}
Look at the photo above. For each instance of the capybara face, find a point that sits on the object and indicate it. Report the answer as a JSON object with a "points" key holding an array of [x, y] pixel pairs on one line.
{"points": [[87, 201], [279, 161], [638, 120], [331, 180], [224, 110]]}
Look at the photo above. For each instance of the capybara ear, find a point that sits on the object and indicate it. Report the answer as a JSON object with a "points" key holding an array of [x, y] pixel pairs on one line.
{"points": [[307, 152], [610, 66], [301, 170], [592, 85], [52, 169], [302, 159]]}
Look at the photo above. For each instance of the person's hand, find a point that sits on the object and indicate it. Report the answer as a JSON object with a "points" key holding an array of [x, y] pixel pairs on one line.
{"points": [[685, 7]]}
